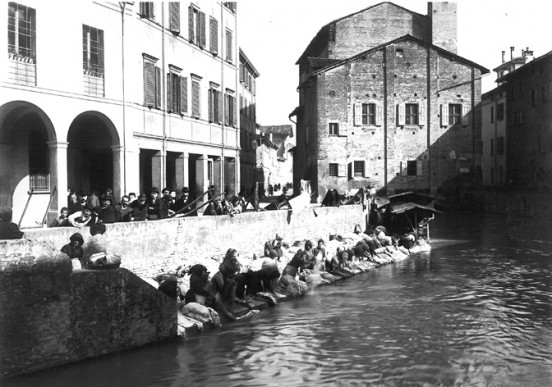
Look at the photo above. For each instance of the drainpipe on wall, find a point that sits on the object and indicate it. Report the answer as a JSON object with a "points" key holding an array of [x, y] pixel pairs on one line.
{"points": [[164, 99], [123, 11], [223, 88], [385, 118]]}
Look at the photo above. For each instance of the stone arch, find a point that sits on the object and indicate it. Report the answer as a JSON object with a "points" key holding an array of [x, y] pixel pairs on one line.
{"points": [[92, 153], [26, 162]]}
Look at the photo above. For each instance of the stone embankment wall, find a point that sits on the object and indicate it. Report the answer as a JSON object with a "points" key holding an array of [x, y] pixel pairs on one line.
{"points": [[148, 248], [51, 315]]}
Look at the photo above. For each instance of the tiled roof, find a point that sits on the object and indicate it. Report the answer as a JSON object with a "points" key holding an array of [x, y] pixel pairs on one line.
{"points": [[277, 129]]}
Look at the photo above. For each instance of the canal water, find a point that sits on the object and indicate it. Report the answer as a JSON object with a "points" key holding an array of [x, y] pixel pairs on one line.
{"points": [[476, 311]]}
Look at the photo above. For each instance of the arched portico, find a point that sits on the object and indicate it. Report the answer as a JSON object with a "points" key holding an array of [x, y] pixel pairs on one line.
{"points": [[94, 154], [26, 162]]}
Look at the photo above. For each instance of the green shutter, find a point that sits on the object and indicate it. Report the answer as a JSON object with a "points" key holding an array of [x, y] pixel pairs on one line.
{"points": [[202, 32], [219, 110]]}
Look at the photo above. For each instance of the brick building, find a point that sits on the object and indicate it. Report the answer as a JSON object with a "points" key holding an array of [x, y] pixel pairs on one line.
{"points": [[385, 101], [248, 121], [529, 124], [494, 109], [124, 95]]}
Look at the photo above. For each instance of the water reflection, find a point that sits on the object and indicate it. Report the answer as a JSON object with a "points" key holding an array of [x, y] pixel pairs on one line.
{"points": [[475, 312]]}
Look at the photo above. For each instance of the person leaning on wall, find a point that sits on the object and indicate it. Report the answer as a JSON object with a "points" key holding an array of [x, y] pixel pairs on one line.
{"points": [[8, 229]]}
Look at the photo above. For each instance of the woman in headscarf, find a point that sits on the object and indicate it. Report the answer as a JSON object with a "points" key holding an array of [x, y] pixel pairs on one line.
{"points": [[74, 250], [223, 284], [199, 278]]}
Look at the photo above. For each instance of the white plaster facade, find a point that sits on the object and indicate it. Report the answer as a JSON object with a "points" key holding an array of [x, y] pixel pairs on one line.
{"points": [[87, 131]]}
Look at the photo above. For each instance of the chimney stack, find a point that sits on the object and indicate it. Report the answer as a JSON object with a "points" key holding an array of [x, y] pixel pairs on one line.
{"points": [[503, 56], [512, 48]]}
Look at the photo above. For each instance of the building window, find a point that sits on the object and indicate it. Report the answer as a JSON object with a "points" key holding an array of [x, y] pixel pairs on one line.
{"points": [[196, 107], [455, 113], [533, 97], [411, 167], [213, 27], [492, 146], [21, 44], [39, 161], [146, 9], [174, 17], [334, 169], [358, 168], [215, 104], [230, 113], [520, 117], [492, 114], [411, 116], [543, 94], [229, 46], [196, 26], [174, 90], [334, 129], [500, 112], [368, 114], [21, 31], [500, 146], [152, 82], [93, 60]]}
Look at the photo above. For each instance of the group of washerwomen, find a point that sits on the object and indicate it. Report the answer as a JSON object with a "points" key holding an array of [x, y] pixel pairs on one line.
{"points": [[86, 210], [231, 286]]}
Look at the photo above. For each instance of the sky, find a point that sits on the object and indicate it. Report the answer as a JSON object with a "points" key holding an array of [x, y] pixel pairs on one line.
{"points": [[274, 34]]}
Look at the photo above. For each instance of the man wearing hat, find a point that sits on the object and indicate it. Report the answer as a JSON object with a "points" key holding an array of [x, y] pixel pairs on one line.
{"points": [[82, 218], [139, 208], [184, 204], [154, 205], [106, 212]]}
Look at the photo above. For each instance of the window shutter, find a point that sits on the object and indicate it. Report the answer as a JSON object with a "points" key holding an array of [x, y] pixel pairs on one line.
{"points": [[183, 95], [234, 113], [211, 105], [342, 170], [202, 32], [191, 24], [241, 72], [157, 88], [149, 84], [169, 93], [444, 115], [214, 36], [195, 99], [400, 114], [350, 171], [357, 119], [174, 12], [465, 111], [419, 171], [229, 45], [101, 52], [219, 111], [379, 115], [422, 117], [226, 110]]}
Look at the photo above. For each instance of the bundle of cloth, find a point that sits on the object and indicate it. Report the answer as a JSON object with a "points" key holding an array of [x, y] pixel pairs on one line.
{"points": [[201, 313]]}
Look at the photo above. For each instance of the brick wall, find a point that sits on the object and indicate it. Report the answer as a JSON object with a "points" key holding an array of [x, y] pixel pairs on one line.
{"points": [[148, 248], [52, 316]]}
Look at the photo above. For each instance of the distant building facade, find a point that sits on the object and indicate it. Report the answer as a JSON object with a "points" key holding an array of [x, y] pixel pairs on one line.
{"points": [[529, 126], [248, 121], [387, 104], [123, 95], [274, 154]]}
